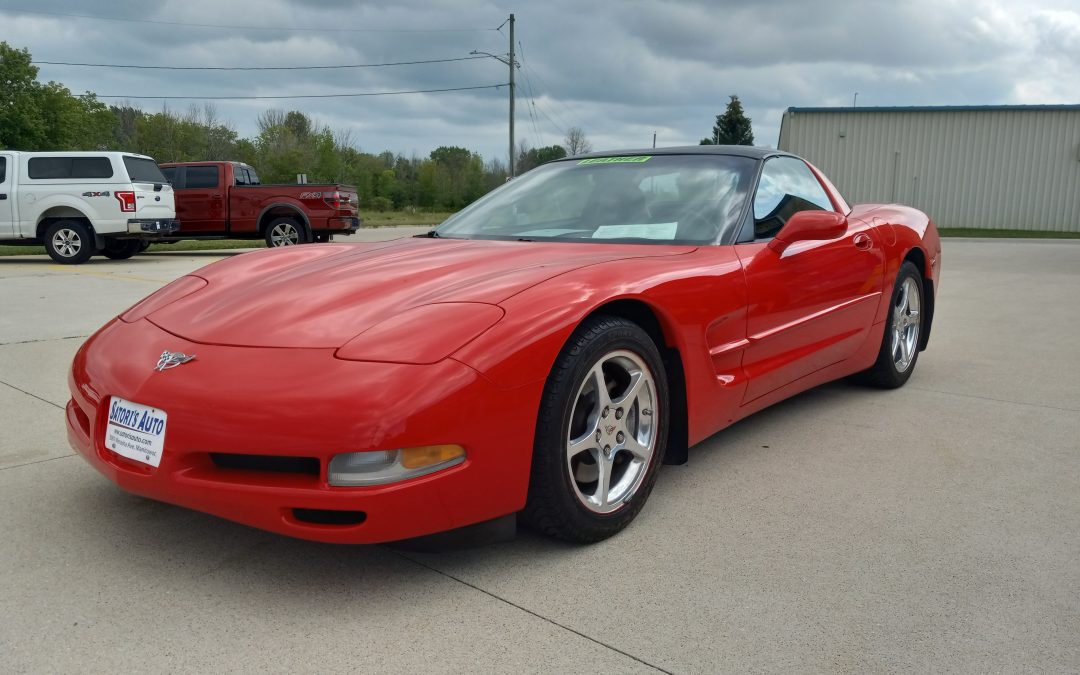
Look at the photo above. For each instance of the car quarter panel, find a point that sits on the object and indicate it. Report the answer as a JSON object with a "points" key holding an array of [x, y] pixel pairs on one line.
{"points": [[698, 296]]}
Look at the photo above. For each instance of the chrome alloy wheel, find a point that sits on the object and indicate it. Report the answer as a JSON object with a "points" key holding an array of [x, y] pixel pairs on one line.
{"points": [[285, 234], [67, 243], [613, 431], [906, 323]]}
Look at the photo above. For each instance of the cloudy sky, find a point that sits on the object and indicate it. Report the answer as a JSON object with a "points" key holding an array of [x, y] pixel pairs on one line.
{"points": [[619, 69]]}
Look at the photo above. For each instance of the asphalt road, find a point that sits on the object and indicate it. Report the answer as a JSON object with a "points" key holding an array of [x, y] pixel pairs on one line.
{"points": [[934, 528]]}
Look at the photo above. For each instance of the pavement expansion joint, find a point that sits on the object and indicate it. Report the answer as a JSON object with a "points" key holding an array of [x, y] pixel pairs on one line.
{"points": [[38, 461], [996, 400], [529, 611], [55, 339], [43, 400]]}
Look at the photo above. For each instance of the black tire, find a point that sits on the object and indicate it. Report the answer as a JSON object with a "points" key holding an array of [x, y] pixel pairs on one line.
{"points": [[286, 231], [143, 245], [887, 372], [121, 249], [69, 242], [554, 506]]}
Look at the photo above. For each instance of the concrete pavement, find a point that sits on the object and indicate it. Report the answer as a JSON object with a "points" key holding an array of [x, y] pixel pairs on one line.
{"points": [[933, 528]]}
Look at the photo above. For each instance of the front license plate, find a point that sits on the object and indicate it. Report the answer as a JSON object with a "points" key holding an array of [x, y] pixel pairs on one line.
{"points": [[136, 431]]}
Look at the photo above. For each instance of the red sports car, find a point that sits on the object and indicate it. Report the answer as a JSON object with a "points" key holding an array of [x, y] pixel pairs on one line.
{"points": [[537, 356]]}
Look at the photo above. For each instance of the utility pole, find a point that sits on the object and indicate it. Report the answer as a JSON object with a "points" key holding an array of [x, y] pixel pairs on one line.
{"points": [[511, 95], [512, 64]]}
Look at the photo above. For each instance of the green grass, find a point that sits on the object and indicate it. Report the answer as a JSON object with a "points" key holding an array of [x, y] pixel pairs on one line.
{"points": [[397, 218], [370, 219], [406, 218], [1005, 234]]}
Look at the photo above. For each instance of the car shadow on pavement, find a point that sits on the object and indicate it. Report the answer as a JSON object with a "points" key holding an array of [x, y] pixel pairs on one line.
{"points": [[137, 533]]}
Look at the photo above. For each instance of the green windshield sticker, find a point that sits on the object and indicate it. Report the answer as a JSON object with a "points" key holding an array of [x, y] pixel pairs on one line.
{"points": [[616, 160]]}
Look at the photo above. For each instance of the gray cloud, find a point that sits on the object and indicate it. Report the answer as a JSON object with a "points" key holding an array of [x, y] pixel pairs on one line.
{"points": [[619, 69]]}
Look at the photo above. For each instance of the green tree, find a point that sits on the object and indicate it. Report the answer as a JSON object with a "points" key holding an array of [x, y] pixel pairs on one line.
{"points": [[36, 116], [732, 127], [533, 157]]}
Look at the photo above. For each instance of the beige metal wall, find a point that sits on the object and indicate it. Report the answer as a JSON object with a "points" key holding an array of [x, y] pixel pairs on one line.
{"points": [[992, 169]]}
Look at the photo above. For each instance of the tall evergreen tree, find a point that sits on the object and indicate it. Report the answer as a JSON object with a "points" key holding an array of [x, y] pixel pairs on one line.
{"points": [[732, 127]]}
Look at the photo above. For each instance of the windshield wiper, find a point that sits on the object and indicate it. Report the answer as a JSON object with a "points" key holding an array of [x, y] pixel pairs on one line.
{"points": [[430, 234]]}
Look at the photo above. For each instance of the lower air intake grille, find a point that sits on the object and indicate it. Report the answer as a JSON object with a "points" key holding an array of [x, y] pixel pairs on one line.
{"points": [[308, 466]]}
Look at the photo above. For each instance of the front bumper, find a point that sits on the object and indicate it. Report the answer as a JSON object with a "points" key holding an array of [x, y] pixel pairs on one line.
{"points": [[156, 226], [304, 403]]}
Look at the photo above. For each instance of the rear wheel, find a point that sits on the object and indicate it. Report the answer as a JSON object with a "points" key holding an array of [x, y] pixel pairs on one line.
{"points": [[69, 242], [286, 232], [121, 249], [903, 328], [601, 433]]}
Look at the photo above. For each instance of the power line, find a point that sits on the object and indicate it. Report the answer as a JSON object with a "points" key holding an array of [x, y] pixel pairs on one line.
{"points": [[351, 65], [349, 95], [320, 29]]}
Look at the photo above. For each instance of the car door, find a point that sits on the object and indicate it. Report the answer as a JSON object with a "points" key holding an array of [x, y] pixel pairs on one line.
{"points": [[812, 305], [7, 198], [200, 199]]}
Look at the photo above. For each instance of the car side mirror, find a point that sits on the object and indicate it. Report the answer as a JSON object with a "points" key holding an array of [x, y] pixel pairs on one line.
{"points": [[809, 225]]}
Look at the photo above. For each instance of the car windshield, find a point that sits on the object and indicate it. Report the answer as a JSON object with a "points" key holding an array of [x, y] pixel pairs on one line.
{"points": [[660, 199]]}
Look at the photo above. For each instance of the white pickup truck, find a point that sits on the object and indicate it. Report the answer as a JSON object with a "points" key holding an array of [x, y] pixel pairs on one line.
{"points": [[77, 204]]}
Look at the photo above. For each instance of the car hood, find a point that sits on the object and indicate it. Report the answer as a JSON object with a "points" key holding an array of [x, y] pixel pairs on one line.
{"points": [[321, 296]]}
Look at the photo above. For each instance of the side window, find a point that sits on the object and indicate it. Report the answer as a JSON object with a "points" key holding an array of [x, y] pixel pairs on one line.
{"points": [[253, 178], [240, 175], [170, 174], [69, 167], [787, 186], [3, 169], [200, 177]]}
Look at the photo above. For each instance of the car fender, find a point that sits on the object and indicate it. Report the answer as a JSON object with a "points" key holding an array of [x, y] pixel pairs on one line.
{"points": [[709, 337], [284, 203]]}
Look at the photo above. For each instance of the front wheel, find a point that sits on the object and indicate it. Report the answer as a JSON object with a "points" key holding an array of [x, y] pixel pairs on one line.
{"points": [[69, 242], [903, 329], [601, 433], [285, 232], [121, 249]]}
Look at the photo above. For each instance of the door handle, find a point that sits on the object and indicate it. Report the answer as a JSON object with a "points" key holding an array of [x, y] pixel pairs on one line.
{"points": [[3, 197], [863, 242]]}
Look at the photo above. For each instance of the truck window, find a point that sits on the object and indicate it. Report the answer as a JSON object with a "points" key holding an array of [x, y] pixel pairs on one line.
{"points": [[44, 168], [170, 173], [142, 170], [240, 175], [253, 178], [3, 169], [201, 177]]}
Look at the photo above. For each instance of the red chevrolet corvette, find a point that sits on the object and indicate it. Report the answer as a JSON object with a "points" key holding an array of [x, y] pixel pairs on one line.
{"points": [[538, 355]]}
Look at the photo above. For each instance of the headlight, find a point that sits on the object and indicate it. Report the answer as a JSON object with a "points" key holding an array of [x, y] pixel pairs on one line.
{"points": [[182, 287], [379, 467]]}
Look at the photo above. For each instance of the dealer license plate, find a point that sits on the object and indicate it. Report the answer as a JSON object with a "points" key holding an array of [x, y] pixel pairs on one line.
{"points": [[136, 431]]}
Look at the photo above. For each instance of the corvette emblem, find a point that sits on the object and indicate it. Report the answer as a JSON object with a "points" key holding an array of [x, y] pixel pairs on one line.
{"points": [[171, 360]]}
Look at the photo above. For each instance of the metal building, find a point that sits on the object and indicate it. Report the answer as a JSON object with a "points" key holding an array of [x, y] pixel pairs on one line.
{"points": [[991, 167]]}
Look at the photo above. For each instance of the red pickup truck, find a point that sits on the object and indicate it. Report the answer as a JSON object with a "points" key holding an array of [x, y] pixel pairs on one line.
{"points": [[224, 200]]}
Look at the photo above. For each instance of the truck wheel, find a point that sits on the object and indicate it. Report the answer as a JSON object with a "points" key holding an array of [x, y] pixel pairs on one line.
{"points": [[286, 232], [121, 249], [143, 245], [69, 242]]}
